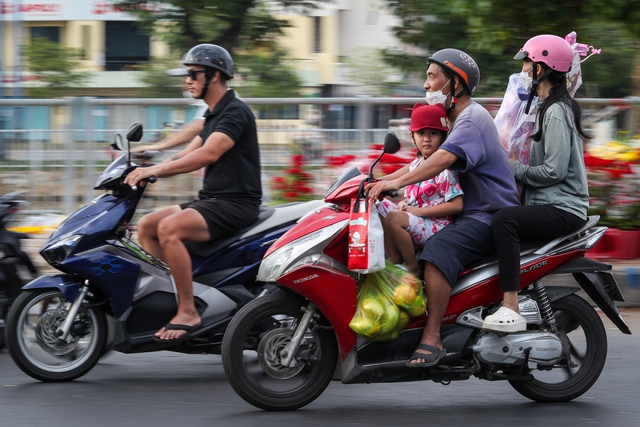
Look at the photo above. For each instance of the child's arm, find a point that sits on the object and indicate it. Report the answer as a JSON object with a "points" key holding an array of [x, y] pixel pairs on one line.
{"points": [[452, 207]]}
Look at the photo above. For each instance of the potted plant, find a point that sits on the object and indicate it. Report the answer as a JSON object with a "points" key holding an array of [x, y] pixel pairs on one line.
{"points": [[613, 170]]}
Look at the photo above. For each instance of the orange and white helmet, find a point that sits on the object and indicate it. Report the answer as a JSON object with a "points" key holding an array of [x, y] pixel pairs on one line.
{"points": [[460, 64]]}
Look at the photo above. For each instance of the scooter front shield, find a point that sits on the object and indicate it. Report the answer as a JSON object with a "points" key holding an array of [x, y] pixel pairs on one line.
{"points": [[66, 283]]}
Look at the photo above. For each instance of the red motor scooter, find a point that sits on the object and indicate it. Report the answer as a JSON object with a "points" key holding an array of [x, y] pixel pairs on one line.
{"points": [[280, 351]]}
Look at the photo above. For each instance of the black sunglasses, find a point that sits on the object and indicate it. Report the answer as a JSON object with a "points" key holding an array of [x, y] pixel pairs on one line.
{"points": [[193, 74]]}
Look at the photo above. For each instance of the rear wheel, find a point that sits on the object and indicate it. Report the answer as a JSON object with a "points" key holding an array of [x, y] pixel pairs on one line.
{"points": [[36, 348], [252, 354], [587, 340]]}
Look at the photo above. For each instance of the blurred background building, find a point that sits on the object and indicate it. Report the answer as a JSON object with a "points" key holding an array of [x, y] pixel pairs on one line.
{"points": [[110, 41], [113, 45]]}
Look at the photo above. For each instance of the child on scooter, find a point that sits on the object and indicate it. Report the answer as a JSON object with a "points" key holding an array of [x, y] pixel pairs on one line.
{"points": [[429, 205]]}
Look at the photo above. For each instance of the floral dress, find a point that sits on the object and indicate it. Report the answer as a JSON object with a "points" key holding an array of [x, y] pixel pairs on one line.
{"points": [[442, 188]]}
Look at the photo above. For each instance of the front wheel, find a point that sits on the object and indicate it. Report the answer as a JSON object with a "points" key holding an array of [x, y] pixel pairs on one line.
{"points": [[36, 348], [587, 341], [252, 354]]}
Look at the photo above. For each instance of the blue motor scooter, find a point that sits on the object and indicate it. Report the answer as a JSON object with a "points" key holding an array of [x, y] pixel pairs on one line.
{"points": [[57, 328]]}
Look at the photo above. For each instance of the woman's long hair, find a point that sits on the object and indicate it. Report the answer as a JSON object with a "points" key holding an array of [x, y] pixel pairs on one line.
{"points": [[559, 93]]}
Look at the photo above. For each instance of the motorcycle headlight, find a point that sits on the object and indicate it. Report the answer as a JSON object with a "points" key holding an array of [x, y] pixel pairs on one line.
{"points": [[275, 265], [58, 251]]}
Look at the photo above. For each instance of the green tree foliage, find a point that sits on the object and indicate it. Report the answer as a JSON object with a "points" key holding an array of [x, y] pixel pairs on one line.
{"points": [[246, 28], [54, 64], [157, 84], [269, 78], [609, 74], [377, 78], [493, 31]]}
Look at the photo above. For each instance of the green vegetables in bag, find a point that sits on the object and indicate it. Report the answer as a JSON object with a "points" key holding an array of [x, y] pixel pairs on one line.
{"points": [[386, 301]]}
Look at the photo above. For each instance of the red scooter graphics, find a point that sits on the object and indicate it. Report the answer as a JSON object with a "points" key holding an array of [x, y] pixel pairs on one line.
{"points": [[280, 351]]}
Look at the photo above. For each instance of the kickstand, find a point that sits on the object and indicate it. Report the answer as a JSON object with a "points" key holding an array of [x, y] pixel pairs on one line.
{"points": [[525, 365]]}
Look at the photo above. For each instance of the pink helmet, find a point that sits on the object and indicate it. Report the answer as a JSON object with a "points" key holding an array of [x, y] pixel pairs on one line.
{"points": [[429, 116], [549, 49]]}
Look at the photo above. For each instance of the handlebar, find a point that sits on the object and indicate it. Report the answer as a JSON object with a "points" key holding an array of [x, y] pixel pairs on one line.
{"points": [[150, 180], [145, 155], [390, 193]]}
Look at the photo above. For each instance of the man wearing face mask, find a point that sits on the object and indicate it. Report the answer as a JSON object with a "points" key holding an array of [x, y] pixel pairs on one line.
{"points": [[473, 150], [186, 132]]}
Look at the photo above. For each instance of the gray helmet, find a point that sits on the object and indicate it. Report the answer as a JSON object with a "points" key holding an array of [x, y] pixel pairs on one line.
{"points": [[460, 64], [210, 55]]}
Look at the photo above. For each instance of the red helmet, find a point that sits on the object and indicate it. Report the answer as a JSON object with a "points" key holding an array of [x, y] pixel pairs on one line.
{"points": [[549, 49], [428, 116]]}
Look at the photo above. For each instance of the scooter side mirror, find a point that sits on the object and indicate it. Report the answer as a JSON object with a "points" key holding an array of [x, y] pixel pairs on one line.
{"points": [[133, 135], [117, 144], [391, 146], [135, 132], [391, 143]]}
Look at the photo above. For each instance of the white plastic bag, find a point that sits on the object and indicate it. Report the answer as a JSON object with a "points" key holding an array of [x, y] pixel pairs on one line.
{"points": [[514, 125]]}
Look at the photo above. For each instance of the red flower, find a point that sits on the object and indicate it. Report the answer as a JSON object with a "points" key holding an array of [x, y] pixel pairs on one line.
{"points": [[293, 185]]}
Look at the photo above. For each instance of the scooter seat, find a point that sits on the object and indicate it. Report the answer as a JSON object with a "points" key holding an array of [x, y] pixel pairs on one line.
{"points": [[206, 249], [539, 246]]}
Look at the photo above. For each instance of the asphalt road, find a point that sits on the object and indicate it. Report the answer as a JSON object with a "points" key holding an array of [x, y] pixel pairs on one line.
{"points": [[167, 389]]}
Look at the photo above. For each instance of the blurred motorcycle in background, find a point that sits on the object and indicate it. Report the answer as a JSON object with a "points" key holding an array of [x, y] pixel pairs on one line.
{"points": [[16, 268]]}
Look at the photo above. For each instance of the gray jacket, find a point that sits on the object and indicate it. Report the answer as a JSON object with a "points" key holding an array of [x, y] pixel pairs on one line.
{"points": [[556, 173]]}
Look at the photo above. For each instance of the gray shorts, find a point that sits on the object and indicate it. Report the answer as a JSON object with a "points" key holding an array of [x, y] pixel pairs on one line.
{"points": [[457, 245]]}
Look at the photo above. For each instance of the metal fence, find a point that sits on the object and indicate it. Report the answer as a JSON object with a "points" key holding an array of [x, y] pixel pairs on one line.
{"points": [[54, 149]]}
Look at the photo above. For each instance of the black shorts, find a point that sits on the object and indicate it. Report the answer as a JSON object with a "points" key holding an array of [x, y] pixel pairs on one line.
{"points": [[223, 216], [459, 244]]}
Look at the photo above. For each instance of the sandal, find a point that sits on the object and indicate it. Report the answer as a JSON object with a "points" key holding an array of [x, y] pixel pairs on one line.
{"points": [[431, 359], [505, 320]]}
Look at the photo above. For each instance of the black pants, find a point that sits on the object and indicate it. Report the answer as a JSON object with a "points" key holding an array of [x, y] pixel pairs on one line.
{"points": [[526, 222]]}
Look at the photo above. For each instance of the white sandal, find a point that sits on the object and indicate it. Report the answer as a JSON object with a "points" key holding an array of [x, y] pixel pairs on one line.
{"points": [[505, 320]]}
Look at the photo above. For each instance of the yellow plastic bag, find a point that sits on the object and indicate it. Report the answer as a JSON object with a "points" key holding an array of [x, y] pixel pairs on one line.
{"points": [[386, 301]]}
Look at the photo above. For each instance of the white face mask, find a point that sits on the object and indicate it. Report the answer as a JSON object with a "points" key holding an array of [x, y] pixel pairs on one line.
{"points": [[437, 97], [527, 81]]}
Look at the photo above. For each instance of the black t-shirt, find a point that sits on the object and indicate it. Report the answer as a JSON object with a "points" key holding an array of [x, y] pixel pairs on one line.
{"points": [[236, 174]]}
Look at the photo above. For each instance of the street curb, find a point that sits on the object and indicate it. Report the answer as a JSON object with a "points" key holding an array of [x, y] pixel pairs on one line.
{"points": [[626, 275], [624, 271]]}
